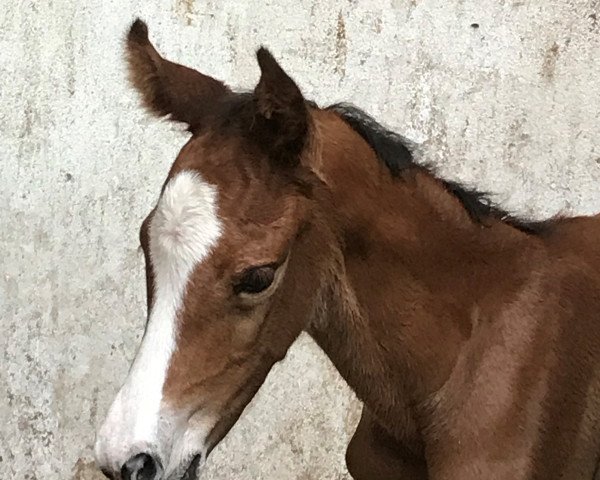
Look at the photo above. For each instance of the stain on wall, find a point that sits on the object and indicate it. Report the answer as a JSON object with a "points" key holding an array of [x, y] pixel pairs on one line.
{"points": [[550, 59], [186, 9], [511, 106], [341, 47]]}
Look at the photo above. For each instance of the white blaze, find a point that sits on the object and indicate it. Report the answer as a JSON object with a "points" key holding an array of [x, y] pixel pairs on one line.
{"points": [[182, 232]]}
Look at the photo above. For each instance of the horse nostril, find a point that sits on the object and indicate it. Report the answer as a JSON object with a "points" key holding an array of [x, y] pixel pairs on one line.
{"points": [[141, 467], [107, 474]]}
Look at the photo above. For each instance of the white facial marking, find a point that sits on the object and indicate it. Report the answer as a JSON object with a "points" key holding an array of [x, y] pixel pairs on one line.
{"points": [[182, 232]]}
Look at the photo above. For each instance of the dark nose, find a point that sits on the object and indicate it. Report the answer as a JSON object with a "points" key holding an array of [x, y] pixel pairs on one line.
{"points": [[141, 467]]}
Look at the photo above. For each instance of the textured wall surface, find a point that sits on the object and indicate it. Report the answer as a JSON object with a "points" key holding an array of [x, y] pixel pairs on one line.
{"points": [[500, 93]]}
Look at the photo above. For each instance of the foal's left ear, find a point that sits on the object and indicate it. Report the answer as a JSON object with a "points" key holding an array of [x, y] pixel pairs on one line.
{"points": [[167, 87], [282, 109]]}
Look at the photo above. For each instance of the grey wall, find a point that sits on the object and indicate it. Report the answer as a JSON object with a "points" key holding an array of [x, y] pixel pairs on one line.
{"points": [[512, 106]]}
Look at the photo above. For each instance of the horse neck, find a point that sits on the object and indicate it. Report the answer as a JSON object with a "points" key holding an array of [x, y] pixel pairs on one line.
{"points": [[412, 277]]}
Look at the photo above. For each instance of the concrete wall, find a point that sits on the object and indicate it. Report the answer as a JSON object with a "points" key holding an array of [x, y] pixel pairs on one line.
{"points": [[511, 104]]}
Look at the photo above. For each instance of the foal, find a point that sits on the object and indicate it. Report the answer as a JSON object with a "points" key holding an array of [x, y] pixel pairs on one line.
{"points": [[471, 337]]}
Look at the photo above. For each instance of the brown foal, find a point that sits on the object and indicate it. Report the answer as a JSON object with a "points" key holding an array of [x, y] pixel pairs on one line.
{"points": [[471, 337]]}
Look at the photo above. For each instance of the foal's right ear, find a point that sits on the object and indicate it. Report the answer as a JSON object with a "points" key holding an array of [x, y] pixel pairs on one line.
{"points": [[167, 87]]}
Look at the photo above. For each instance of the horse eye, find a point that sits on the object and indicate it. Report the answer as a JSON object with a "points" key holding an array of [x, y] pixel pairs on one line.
{"points": [[255, 280]]}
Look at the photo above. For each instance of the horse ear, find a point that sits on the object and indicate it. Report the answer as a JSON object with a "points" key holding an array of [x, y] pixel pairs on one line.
{"points": [[282, 109], [167, 87]]}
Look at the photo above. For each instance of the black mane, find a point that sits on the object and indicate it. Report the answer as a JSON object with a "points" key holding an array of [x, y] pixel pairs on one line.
{"points": [[394, 151]]}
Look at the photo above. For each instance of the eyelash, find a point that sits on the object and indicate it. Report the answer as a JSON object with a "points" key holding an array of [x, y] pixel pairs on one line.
{"points": [[251, 282]]}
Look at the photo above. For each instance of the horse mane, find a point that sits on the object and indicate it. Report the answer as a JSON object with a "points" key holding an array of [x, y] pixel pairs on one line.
{"points": [[395, 152]]}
